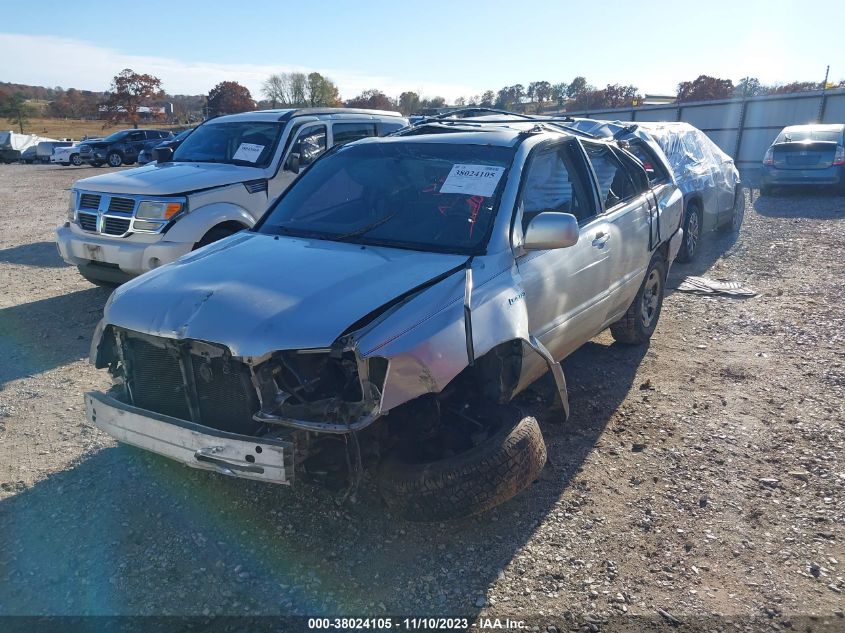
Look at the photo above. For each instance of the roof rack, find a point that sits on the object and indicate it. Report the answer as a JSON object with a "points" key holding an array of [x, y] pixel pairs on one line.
{"points": [[295, 112], [555, 121]]}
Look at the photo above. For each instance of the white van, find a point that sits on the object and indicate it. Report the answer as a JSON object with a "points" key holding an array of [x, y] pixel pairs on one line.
{"points": [[219, 181]]}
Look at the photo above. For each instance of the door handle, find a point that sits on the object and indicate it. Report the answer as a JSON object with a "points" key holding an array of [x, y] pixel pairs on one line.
{"points": [[601, 239]]}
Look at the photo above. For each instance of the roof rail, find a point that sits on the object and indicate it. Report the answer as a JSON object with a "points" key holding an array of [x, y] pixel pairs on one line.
{"points": [[555, 121], [316, 111]]}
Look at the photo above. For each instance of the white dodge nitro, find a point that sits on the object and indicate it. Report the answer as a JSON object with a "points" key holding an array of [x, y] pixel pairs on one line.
{"points": [[219, 181]]}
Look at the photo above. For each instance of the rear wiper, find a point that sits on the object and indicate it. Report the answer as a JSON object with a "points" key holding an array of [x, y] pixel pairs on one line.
{"points": [[365, 229]]}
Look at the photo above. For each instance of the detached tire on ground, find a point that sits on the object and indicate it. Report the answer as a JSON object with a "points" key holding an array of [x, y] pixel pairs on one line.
{"points": [[469, 483], [639, 322]]}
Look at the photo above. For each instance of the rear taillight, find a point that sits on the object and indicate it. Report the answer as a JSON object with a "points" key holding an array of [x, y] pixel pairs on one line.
{"points": [[769, 158], [839, 158]]}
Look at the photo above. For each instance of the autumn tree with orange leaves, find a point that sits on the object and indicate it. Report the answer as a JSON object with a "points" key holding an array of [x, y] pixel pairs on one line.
{"points": [[129, 91]]}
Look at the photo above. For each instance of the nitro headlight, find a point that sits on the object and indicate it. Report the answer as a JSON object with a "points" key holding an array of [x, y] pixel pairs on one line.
{"points": [[155, 210]]}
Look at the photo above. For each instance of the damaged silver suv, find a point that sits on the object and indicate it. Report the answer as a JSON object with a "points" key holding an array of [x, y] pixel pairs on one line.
{"points": [[388, 308]]}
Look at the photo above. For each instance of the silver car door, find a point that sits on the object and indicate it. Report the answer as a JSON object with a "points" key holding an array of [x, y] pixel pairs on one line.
{"points": [[566, 289]]}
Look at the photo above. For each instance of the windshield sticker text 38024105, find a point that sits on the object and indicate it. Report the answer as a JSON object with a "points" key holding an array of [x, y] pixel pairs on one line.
{"points": [[472, 180]]}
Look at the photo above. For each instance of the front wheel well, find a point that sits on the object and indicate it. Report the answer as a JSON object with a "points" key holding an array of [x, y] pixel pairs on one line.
{"points": [[219, 231]]}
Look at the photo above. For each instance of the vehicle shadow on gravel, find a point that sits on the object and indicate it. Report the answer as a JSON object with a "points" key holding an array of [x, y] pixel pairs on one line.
{"points": [[42, 335], [125, 531], [813, 203], [40, 254]]}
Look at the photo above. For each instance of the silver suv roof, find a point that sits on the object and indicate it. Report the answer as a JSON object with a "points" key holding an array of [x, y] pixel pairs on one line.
{"points": [[285, 114]]}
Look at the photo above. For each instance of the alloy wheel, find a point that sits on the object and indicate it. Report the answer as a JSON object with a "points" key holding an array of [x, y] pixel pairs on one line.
{"points": [[650, 298]]}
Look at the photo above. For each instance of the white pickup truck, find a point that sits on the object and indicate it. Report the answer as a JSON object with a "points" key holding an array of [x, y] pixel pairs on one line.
{"points": [[219, 181]]}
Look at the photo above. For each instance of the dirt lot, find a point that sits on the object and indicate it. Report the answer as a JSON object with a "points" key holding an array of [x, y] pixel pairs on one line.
{"points": [[701, 476]]}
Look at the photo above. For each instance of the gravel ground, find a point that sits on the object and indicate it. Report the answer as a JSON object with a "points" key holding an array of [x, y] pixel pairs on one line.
{"points": [[701, 476]]}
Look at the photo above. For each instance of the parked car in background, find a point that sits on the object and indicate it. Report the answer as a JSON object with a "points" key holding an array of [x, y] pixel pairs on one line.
{"points": [[707, 176], [67, 155], [28, 155], [120, 148], [433, 274], [220, 180], [805, 155], [44, 149], [146, 155]]}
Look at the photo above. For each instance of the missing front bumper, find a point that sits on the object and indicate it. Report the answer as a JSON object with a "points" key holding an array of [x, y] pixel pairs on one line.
{"points": [[263, 459]]}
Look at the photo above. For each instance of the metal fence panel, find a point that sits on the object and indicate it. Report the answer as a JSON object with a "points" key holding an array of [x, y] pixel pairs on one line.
{"points": [[743, 129]]}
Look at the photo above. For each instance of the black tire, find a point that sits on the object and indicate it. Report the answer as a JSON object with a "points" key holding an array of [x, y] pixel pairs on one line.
{"points": [[469, 483], [766, 190], [114, 159], [215, 234], [75, 160], [734, 222], [639, 322], [692, 233], [103, 283]]}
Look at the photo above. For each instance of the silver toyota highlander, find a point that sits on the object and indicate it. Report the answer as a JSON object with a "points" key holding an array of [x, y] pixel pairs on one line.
{"points": [[387, 309]]}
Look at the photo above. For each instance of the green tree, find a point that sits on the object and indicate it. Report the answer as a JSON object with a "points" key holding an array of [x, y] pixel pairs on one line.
{"points": [[488, 98], [577, 87], [129, 91], [409, 102], [748, 87], [16, 110], [558, 93], [321, 91]]}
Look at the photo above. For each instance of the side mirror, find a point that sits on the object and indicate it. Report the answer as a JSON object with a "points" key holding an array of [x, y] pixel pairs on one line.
{"points": [[292, 163], [163, 154], [549, 230]]}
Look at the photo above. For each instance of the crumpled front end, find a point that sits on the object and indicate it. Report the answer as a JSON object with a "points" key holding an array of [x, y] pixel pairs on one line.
{"points": [[330, 390]]}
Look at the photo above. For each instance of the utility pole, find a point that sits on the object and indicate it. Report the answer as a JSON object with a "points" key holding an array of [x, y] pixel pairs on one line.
{"points": [[823, 100]]}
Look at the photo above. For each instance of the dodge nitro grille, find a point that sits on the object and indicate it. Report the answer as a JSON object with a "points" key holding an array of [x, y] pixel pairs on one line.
{"points": [[89, 201], [88, 221], [218, 392], [121, 205], [115, 226]]}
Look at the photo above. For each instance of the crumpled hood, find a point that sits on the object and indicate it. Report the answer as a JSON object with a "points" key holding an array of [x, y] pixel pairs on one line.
{"points": [[170, 178], [257, 294]]}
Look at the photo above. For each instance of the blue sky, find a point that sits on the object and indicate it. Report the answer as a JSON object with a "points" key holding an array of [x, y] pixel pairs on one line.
{"points": [[447, 48]]}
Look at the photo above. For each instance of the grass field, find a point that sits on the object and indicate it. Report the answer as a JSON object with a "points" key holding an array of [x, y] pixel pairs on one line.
{"points": [[73, 128]]}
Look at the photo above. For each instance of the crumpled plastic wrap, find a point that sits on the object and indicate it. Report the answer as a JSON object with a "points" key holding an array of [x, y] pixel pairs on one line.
{"points": [[698, 163], [694, 157]]}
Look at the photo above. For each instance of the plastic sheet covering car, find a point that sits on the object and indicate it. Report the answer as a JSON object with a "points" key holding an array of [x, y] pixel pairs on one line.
{"points": [[705, 174], [12, 144]]}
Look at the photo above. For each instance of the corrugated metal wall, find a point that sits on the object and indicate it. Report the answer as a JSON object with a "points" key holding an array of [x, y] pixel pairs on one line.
{"points": [[742, 128]]}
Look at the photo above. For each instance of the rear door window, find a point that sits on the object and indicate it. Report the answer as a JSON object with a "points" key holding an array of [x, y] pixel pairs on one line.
{"points": [[348, 132], [614, 182]]}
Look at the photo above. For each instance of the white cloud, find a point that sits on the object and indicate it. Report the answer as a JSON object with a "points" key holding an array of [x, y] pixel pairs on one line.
{"points": [[43, 60]]}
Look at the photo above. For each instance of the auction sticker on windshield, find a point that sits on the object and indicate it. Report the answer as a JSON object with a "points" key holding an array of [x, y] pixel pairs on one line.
{"points": [[248, 152], [473, 180]]}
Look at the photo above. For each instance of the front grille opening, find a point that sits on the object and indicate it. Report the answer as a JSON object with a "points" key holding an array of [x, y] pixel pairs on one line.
{"points": [[155, 379], [121, 205], [115, 226], [220, 388], [89, 201], [88, 221]]}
